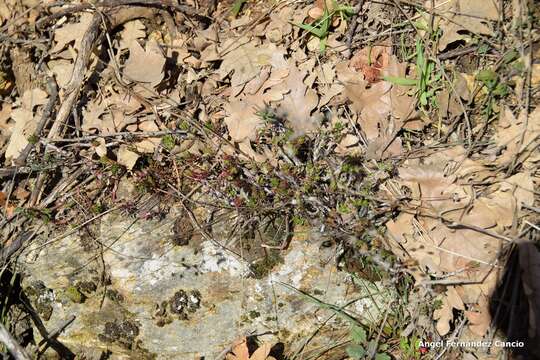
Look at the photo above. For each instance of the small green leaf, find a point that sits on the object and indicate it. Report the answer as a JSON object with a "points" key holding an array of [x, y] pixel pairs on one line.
{"points": [[358, 334], [404, 344], [322, 45], [168, 142], [486, 76], [312, 29], [424, 99], [510, 56], [483, 49], [356, 351], [381, 356], [237, 6], [400, 80]]}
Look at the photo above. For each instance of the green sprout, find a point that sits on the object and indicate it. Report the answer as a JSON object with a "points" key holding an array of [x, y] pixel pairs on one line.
{"points": [[321, 27]]}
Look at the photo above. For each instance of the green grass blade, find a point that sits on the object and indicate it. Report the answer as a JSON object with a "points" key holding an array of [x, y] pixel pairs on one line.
{"points": [[336, 309], [237, 6], [311, 29], [400, 80]]}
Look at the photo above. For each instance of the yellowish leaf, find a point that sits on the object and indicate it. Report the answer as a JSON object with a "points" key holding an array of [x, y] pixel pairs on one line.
{"points": [[127, 157]]}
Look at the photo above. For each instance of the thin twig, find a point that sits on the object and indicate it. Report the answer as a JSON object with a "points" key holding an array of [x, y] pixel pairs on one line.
{"points": [[116, 134]]}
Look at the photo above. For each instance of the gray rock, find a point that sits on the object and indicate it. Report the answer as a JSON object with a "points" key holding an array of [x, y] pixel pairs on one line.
{"points": [[146, 298]]}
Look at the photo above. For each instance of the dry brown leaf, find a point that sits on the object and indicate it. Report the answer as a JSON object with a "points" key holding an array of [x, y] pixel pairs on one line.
{"points": [[349, 145], [100, 147], [21, 193], [32, 98], [456, 16], [5, 13], [447, 99], [62, 70], [124, 102], [71, 32], [107, 117], [443, 315], [149, 144], [370, 61], [242, 120], [241, 21], [5, 116], [145, 66], [25, 122], [479, 320], [535, 75], [133, 31], [383, 109], [240, 349], [454, 300], [262, 352], [519, 135], [439, 187], [299, 103], [279, 25], [435, 189], [3, 198], [522, 187], [25, 125], [317, 11], [247, 60], [91, 116], [330, 93]]}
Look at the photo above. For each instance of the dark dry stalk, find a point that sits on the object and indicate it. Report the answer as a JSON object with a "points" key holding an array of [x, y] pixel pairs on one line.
{"points": [[13, 347], [167, 4], [116, 134], [354, 25]]}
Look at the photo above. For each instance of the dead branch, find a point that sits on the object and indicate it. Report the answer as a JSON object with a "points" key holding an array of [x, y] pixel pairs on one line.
{"points": [[167, 4]]}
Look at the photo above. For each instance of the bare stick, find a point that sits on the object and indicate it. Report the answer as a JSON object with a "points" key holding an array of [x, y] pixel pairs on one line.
{"points": [[186, 9], [353, 26], [13, 347]]}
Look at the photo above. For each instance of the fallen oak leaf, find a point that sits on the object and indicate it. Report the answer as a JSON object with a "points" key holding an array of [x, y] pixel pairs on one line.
{"points": [[145, 65], [517, 136], [62, 70], [480, 320], [457, 16], [298, 104], [25, 122], [240, 350], [262, 352], [127, 157], [71, 32], [133, 30], [246, 62], [443, 314], [242, 120]]}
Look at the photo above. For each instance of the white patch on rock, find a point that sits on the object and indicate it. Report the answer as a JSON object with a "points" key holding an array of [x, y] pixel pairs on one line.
{"points": [[217, 259]]}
